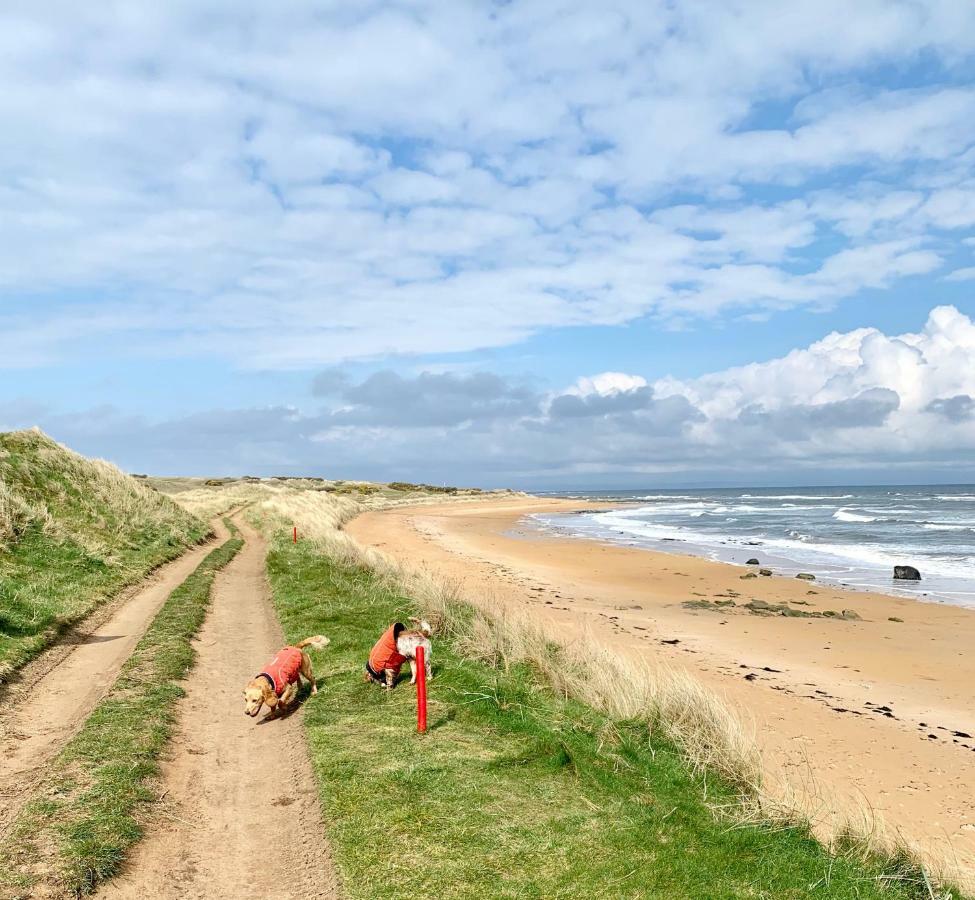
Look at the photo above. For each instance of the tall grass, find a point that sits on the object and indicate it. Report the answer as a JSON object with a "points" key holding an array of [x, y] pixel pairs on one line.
{"points": [[45, 485], [73, 532]]}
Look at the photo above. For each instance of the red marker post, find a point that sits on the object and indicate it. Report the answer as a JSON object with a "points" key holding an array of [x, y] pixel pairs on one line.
{"points": [[295, 534], [421, 691]]}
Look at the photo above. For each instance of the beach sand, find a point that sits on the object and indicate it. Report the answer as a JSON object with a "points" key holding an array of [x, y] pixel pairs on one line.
{"points": [[853, 717]]}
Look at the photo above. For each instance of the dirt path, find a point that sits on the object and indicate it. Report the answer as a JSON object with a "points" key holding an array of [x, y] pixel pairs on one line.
{"points": [[240, 818], [53, 696]]}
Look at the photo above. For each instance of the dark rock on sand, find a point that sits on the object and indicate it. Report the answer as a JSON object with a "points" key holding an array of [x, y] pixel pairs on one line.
{"points": [[805, 576], [764, 571], [707, 604], [850, 614], [752, 562], [748, 575], [761, 608], [906, 573]]}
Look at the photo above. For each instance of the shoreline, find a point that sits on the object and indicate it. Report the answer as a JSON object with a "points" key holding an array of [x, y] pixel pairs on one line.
{"points": [[816, 533], [783, 565], [854, 714]]}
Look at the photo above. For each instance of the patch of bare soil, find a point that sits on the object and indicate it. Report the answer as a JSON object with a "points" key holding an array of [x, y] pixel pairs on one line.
{"points": [[53, 696], [239, 816]]}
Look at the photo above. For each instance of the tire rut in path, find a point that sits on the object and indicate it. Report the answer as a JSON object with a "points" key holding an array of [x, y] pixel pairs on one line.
{"points": [[48, 704], [240, 816]]}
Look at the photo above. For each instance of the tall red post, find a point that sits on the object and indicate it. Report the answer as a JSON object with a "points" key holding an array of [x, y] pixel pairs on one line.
{"points": [[421, 691], [295, 534]]}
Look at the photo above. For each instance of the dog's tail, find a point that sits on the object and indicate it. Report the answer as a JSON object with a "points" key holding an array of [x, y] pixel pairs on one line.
{"points": [[422, 625], [318, 641]]}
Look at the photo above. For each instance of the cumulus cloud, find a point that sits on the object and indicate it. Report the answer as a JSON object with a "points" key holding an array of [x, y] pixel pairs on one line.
{"points": [[956, 408], [860, 404], [283, 187]]}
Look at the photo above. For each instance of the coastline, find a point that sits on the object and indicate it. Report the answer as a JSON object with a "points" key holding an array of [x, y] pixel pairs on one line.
{"points": [[874, 713], [852, 540]]}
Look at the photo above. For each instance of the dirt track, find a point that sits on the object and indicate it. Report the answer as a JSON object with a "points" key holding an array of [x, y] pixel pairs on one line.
{"points": [[240, 817], [50, 701]]}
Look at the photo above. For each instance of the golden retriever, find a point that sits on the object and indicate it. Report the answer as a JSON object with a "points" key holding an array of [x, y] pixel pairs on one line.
{"points": [[277, 685]]}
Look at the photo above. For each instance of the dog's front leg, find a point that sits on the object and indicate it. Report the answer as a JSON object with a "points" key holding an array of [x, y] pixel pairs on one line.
{"points": [[390, 678], [412, 672]]}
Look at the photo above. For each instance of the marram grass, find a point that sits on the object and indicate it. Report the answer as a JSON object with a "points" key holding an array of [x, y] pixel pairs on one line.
{"points": [[73, 532]]}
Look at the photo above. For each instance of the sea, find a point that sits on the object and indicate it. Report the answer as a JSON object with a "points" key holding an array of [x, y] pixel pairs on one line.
{"points": [[852, 536]]}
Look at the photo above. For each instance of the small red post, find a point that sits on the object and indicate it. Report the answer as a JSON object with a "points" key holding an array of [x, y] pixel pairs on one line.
{"points": [[295, 534], [421, 691]]}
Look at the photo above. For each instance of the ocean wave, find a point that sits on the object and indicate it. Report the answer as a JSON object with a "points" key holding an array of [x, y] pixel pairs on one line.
{"points": [[796, 496], [945, 526], [810, 552], [957, 498], [844, 515]]}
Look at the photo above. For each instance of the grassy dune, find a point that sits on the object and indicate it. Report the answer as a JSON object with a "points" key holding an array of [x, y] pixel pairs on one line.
{"points": [[73, 532], [86, 815], [519, 791]]}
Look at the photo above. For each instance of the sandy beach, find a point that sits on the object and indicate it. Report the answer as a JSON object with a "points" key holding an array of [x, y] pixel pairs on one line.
{"points": [[873, 714]]}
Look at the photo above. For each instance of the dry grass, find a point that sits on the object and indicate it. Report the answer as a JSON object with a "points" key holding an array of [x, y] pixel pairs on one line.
{"points": [[73, 532], [47, 485]]}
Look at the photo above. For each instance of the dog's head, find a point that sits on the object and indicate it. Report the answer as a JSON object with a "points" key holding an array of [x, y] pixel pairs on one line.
{"points": [[256, 695], [422, 625]]}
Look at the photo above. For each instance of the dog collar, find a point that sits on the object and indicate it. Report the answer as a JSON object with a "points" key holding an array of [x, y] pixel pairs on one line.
{"points": [[270, 681]]}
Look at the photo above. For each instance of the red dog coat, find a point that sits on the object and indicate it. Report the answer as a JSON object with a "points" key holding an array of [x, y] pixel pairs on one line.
{"points": [[283, 669], [385, 655]]}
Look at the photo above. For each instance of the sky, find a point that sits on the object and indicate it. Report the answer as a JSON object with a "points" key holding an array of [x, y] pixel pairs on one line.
{"points": [[535, 243]]}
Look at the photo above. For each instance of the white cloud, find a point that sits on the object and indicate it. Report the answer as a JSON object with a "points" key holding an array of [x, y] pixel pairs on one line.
{"points": [[286, 187], [859, 405], [605, 384]]}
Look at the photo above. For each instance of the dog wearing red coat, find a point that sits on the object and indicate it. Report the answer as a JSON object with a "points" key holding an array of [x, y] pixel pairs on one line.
{"points": [[277, 685], [398, 645]]}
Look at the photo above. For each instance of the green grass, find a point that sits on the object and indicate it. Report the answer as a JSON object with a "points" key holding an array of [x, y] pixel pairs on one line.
{"points": [[86, 815], [516, 792], [73, 532]]}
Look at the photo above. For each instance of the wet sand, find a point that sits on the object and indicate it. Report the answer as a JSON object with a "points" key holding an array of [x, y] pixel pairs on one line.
{"points": [[851, 715]]}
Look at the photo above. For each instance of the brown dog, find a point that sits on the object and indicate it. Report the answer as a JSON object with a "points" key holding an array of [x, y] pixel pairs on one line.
{"points": [[277, 685]]}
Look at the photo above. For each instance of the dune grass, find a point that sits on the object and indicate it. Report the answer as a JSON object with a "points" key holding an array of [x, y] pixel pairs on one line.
{"points": [[86, 814], [73, 532], [519, 790]]}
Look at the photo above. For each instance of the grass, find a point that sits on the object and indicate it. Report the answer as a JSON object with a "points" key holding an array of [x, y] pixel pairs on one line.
{"points": [[73, 532], [518, 790], [86, 814]]}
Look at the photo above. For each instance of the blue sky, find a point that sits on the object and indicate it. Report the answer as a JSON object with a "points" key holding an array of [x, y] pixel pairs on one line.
{"points": [[549, 244]]}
